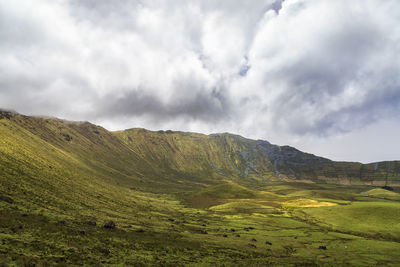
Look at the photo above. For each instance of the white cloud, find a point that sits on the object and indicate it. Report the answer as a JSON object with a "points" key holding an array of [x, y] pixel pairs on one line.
{"points": [[312, 70]]}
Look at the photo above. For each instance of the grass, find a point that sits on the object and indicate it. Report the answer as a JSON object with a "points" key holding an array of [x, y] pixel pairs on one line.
{"points": [[188, 195], [375, 219]]}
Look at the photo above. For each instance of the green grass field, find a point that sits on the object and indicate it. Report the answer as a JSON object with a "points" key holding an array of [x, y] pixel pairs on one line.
{"points": [[60, 182]]}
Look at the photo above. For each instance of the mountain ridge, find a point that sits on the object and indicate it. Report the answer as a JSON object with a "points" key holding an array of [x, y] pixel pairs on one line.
{"points": [[138, 153]]}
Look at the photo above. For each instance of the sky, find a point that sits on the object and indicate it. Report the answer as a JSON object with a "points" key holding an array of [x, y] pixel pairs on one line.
{"points": [[320, 75]]}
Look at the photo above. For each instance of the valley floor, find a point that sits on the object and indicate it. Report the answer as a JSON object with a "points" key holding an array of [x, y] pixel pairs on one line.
{"points": [[280, 224]]}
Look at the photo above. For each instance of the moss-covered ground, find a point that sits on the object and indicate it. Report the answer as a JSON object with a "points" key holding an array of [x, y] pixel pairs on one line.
{"points": [[269, 227]]}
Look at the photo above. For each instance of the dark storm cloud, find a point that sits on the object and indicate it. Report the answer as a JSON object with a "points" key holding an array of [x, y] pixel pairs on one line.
{"points": [[211, 107], [277, 5], [331, 78]]}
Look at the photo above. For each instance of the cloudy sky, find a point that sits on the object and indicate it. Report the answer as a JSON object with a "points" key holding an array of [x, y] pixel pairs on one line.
{"points": [[320, 75]]}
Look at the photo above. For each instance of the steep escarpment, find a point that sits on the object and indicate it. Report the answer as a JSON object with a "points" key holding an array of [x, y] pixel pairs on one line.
{"points": [[139, 158]]}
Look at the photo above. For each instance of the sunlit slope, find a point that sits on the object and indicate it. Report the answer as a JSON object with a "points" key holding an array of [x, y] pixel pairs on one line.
{"points": [[218, 156], [167, 160], [232, 157], [93, 147]]}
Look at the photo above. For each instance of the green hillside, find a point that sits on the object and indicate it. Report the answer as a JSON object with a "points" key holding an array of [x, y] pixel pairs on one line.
{"points": [[185, 199]]}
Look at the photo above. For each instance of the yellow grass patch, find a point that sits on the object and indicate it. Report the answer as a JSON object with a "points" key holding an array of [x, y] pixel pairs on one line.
{"points": [[307, 203]]}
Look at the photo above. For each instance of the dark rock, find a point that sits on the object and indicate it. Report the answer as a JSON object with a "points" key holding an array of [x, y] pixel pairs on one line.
{"points": [[322, 247], [251, 228], [237, 235], [252, 245], [109, 225], [171, 220], [5, 114], [25, 215], [140, 230], [233, 230], [105, 251], [67, 137], [204, 225], [63, 222], [92, 222], [225, 235], [202, 231], [6, 199], [60, 259], [82, 232], [268, 243], [254, 240]]}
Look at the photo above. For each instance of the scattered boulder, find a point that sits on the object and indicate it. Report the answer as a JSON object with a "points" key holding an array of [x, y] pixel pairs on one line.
{"points": [[140, 230], [322, 247], [204, 225], [24, 215], [225, 235], [253, 240], [252, 245], [202, 231], [67, 137], [171, 220], [251, 228], [82, 232], [92, 222], [268, 243], [237, 235], [233, 230], [109, 225], [5, 114], [6, 199]]}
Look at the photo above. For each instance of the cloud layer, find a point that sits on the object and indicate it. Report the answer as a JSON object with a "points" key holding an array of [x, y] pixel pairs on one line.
{"points": [[281, 70]]}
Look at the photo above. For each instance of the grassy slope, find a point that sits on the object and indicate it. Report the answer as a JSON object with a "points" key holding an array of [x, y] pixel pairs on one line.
{"points": [[190, 155], [98, 175]]}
